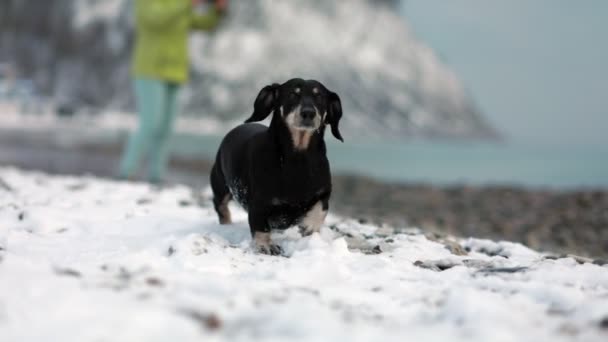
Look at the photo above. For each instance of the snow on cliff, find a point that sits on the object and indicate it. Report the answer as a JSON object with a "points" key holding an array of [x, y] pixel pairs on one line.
{"points": [[84, 259]]}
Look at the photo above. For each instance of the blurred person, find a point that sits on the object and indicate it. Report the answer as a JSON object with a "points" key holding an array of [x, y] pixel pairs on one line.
{"points": [[160, 67]]}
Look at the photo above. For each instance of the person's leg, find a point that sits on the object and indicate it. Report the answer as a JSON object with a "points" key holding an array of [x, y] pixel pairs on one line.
{"points": [[149, 97], [161, 143]]}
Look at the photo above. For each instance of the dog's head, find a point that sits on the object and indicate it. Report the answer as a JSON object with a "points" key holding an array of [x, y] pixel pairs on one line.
{"points": [[303, 105]]}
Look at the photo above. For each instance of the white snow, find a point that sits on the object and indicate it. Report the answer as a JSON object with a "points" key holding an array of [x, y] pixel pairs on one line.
{"points": [[84, 259], [99, 123], [88, 12]]}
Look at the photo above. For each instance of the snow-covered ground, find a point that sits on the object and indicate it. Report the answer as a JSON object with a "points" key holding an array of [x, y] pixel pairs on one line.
{"points": [[84, 259]]}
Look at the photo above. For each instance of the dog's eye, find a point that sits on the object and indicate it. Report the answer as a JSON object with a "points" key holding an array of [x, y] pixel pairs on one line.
{"points": [[316, 93]]}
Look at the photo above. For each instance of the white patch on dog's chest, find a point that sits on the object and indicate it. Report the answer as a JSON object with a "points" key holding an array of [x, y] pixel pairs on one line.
{"points": [[300, 138]]}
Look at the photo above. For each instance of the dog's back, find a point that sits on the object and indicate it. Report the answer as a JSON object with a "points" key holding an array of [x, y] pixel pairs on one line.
{"points": [[232, 153]]}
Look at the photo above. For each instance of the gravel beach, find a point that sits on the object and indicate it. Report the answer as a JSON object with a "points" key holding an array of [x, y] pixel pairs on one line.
{"points": [[557, 221]]}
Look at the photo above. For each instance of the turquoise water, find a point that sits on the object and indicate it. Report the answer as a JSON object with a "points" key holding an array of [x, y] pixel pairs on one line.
{"points": [[454, 163]]}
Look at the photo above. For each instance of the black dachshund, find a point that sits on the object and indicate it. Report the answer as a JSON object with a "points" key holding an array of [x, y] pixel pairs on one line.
{"points": [[279, 174]]}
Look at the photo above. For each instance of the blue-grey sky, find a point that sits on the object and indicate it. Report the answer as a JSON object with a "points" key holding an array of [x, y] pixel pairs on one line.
{"points": [[537, 68]]}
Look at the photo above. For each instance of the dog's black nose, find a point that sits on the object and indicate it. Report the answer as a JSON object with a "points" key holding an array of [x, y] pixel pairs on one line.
{"points": [[308, 113]]}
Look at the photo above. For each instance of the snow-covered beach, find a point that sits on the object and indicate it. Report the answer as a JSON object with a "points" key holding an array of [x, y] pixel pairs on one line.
{"points": [[85, 259], [545, 216]]}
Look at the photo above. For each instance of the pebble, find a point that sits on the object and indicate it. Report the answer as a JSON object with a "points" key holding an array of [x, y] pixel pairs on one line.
{"points": [[155, 282], [503, 269], [436, 265], [67, 272], [208, 321]]}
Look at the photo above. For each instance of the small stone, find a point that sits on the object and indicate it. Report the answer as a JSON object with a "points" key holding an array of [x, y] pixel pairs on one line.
{"points": [[67, 272], [491, 251], [569, 329], [357, 244], [558, 311], [426, 265], [184, 203], [385, 231], [208, 321], [77, 186], [604, 323], [213, 322], [4, 185], [581, 260], [433, 236], [503, 269], [475, 263], [143, 201], [436, 265], [123, 274], [156, 282], [170, 251], [455, 248], [600, 262]]}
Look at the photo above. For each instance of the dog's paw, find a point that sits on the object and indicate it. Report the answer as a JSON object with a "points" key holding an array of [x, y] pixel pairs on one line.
{"points": [[304, 230], [270, 249], [263, 244]]}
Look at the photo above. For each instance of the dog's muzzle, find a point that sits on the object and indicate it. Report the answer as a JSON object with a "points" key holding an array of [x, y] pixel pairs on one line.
{"points": [[303, 117], [307, 117]]}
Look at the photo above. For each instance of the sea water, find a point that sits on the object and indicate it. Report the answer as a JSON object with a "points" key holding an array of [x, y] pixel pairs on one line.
{"points": [[476, 163]]}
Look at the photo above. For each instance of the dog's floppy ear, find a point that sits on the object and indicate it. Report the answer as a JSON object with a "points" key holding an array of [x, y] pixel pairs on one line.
{"points": [[265, 102], [334, 115]]}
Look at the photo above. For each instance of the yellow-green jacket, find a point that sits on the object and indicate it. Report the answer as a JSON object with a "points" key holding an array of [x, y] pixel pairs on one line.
{"points": [[161, 41]]}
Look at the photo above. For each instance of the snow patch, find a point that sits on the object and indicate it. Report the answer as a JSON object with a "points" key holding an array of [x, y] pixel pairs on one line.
{"points": [[88, 12], [90, 259]]}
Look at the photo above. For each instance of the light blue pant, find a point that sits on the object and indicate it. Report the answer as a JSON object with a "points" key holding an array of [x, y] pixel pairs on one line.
{"points": [[156, 102]]}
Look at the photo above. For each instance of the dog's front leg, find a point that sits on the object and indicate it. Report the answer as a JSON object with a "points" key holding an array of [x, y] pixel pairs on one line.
{"points": [[260, 233], [314, 218]]}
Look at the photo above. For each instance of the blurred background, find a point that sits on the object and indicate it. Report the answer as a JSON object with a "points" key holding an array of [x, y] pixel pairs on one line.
{"points": [[465, 117]]}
